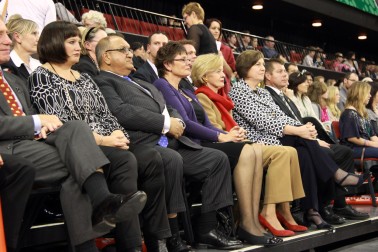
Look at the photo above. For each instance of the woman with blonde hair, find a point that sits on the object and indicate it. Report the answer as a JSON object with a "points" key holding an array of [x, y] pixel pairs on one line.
{"points": [[355, 126], [89, 40], [333, 100], [207, 75], [318, 94], [25, 35]]}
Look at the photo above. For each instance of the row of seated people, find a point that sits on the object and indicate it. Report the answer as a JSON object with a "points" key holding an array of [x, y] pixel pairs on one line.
{"points": [[69, 101]]}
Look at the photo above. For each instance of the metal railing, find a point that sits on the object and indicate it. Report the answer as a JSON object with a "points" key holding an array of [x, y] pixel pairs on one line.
{"points": [[136, 21], [127, 19]]}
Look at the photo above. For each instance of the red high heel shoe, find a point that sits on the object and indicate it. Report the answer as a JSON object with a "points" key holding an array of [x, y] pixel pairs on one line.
{"points": [[286, 224], [275, 232]]}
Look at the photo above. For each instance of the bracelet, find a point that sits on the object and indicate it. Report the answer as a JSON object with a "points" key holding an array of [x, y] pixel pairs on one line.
{"points": [[101, 140]]}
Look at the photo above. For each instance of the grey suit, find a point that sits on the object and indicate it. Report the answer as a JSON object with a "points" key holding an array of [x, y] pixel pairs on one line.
{"points": [[70, 143], [140, 112]]}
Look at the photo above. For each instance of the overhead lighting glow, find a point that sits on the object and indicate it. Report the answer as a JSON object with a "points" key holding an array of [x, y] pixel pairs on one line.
{"points": [[362, 37], [257, 7], [317, 23]]}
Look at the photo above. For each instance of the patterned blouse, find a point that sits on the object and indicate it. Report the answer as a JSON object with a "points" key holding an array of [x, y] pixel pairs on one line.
{"points": [[78, 100], [257, 113], [354, 125]]}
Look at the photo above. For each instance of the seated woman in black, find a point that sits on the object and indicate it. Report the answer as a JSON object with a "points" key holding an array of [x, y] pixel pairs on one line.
{"points": [[355, 126]]}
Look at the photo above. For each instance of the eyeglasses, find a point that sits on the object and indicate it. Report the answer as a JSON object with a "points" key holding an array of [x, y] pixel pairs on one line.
{"points": [[352, 80], [124, 50], [184, 60]]}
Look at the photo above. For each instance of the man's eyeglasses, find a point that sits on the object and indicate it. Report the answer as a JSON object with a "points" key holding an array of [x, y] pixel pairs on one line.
{"points": [[184, 60], [124, 50]]}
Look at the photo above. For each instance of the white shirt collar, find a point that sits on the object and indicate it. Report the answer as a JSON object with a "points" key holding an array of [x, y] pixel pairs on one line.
{"points": [[278, 91], [18, 62]]}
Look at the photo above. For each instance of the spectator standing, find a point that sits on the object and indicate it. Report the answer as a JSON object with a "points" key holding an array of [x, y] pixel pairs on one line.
{"points": [[215, 28], [194, 15], [42, 12]]}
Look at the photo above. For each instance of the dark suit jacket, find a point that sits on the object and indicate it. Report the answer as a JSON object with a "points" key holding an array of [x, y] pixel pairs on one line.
{"points": [[15, 128], [139, 112], [322, 134], [146, 73], [186, 84], [21, 71], [86, 65], [278, 100]]}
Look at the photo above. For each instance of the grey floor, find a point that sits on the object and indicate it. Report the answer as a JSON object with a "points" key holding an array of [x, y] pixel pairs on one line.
{"points": [[365, 243]]}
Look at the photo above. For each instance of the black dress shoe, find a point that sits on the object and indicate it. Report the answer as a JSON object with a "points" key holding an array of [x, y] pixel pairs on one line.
{"points": [[329, 216], [156, 245], [265, 239], [217, 240], [117, 208], [175, 244], [350, 213]]}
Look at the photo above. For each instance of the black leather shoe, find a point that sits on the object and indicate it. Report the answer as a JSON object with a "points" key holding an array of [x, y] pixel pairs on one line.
{"points": [[175, 244], [265, 239], [217, 240], [350, 213], [117, 208], [329, 216], [156, 245]]}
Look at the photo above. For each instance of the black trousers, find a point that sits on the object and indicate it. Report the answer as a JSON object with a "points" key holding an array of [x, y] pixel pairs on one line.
{"points": [[150, 180], [343, 156], [317, 169], [16, 181]]}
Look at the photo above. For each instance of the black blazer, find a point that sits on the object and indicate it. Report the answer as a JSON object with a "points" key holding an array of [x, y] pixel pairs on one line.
{"points": [[138, 111], [21, 71], [278, 100], [86, 65], [322, 134], [146, 73], [186, 84]]}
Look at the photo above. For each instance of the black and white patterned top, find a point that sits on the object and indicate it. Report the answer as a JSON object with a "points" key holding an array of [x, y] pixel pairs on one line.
{"points": [[258, 114], [79, 100]]}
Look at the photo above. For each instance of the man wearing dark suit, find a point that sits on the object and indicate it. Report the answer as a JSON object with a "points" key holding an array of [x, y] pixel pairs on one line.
{"points": [[276, 79], [148, 71], [65, 154], [16, 181], [140, 108]]}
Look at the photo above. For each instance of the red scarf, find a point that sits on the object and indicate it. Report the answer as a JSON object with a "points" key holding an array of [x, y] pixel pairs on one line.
{"points": [[222, 102]]}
